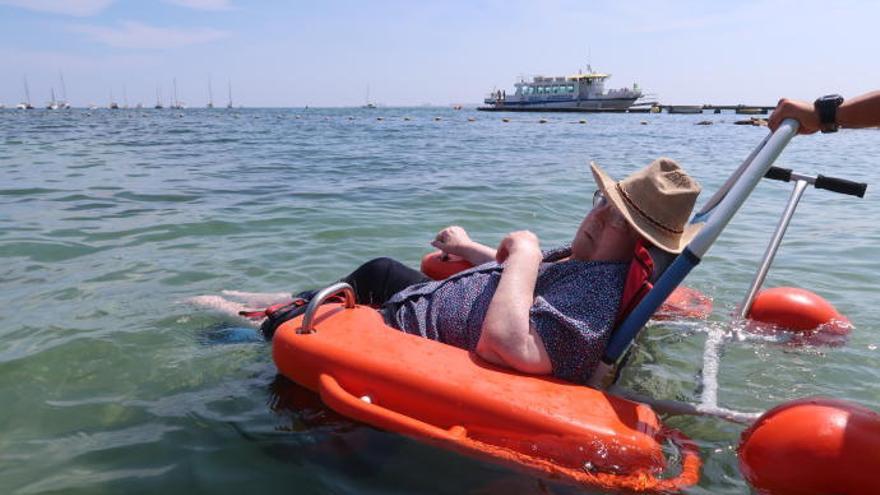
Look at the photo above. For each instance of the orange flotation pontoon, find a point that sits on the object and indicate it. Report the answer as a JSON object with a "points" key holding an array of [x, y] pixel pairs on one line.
{"points": [[447, 396]]}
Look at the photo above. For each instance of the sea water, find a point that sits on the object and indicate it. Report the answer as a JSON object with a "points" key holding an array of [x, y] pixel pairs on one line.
{"points": [[110, 220]]}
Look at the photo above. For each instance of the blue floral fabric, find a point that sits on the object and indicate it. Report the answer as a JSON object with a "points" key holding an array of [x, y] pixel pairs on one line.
{"points": [[574, 310]]}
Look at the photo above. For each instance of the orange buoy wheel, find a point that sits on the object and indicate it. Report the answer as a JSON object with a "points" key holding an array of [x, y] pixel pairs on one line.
{"points": [[795, 309], [813, 446], [438, 266], [685, 302]]}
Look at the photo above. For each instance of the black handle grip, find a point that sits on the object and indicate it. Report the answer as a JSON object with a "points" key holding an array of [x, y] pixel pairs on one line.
{"points": [[779, 173], [841, 185]]}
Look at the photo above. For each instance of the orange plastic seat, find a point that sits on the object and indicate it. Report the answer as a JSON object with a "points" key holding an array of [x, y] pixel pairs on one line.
{"points": [[372, 373]]}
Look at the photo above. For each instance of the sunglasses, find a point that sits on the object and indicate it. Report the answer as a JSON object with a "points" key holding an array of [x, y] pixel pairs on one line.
{"points": [[615, 218], [599, 199]]}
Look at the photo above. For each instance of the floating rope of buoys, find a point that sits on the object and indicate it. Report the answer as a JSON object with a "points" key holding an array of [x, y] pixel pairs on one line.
{"points": [[813, 446], [798, 310]]}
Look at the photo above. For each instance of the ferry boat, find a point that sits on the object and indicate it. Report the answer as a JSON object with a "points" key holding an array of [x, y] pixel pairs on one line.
{"points": [[578, 93]]}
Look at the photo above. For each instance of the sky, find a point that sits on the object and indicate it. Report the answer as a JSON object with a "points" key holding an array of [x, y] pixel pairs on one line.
{"points": [[278, 53]]}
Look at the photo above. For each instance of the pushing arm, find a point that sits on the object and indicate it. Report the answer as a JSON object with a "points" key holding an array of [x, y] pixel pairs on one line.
{"points": [[861, 111]]}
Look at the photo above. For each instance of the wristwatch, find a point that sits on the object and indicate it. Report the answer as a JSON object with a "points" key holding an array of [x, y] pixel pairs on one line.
{"points": [[826, 109]]}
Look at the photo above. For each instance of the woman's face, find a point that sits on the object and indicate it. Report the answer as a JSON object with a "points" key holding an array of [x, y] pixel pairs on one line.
{"points": [[604, 235]]}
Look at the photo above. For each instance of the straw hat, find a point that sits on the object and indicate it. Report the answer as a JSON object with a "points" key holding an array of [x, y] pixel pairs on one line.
{"points": [[656, 201]]}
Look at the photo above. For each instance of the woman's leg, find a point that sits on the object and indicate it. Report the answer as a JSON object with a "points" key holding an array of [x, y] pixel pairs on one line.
{"points": [[377, 280]]}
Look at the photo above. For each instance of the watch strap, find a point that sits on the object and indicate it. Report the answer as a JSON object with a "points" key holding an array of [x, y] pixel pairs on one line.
{"points": [[826, 110]]}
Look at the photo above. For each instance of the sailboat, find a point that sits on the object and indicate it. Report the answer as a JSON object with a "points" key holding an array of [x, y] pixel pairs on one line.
{"points": [[177, 104], [26, 104], [113, 105], [368, 103], [229, 103], [158, 105], [53, 104], [210, 95], [63, 103]]}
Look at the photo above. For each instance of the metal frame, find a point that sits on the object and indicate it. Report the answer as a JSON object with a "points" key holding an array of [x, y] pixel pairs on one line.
{"points": [[796, 194]]}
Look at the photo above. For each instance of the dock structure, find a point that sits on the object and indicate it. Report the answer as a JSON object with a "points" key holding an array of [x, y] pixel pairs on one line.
{"points": [[740, 109]]}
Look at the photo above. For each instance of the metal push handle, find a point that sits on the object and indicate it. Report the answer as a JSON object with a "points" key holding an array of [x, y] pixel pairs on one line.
{"points": [[834, 184]]}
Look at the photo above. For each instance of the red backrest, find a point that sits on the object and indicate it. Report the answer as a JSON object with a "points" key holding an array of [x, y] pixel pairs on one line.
{"points": [[637, 282]]}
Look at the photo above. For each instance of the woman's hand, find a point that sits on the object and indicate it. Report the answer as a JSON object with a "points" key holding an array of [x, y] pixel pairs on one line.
{"points": [[520, 243], [801, 111], [453, 240]]}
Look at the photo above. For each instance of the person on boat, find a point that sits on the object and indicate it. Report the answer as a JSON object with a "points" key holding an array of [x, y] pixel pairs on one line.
{"points": [[828, 113], [537, 312]]}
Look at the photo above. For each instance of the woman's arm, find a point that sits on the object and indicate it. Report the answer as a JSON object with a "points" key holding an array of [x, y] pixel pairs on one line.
{"points": [[861, 111], [507, 337], [455, 240]]}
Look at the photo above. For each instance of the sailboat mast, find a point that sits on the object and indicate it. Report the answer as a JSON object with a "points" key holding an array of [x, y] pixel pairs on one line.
{"points": [[63, 87], [229, 104], [27, 92]]}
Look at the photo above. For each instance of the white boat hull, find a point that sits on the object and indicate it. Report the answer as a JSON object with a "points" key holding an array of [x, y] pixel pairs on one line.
{"points": [[591, 105]]}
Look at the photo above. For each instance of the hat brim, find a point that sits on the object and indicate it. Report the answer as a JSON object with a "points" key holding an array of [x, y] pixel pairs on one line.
{"points": [[666, 241]]}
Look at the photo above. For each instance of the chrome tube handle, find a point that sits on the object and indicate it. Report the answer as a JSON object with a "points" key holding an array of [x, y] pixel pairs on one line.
{"points": [[320, 297]]}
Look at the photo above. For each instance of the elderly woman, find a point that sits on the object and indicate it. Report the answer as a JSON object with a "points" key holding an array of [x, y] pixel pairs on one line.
{"points": [[539, 313]]}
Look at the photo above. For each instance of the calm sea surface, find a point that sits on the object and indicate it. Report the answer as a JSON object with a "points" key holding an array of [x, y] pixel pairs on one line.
{"points": [[109, 220]]}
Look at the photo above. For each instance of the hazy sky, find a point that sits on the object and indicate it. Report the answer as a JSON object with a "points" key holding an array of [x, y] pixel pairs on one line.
{"points": [[294, 53]]}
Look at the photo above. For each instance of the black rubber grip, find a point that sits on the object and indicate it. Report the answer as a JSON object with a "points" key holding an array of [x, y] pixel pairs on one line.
{"points": [[841, 185], [778, 173]]}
